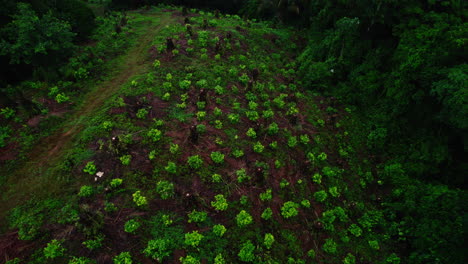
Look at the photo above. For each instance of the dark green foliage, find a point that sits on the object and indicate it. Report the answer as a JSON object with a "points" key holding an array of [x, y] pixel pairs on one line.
{"points": [[431, 219], [79, 15], [30, 217], [36, 40], [402, 64]]}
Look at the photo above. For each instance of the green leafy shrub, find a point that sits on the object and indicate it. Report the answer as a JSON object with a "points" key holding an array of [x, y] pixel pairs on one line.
{"points": [[305, 203], [139, 199], [237, 153], [355, 230], [110, 207], [155, 134], [268, 240], [284, 183], [273, 129], [217, 112], [219, 230], [334, 191], [304, 139], [131, 226], [219, 259], [173, 148], [267, 213], [158, 249], [197, 217], [219, 90], [123, 258], [251, 133], [289, 209], [242, 175], [217, 157], [142, 113], [90, 168], [86, 191], [243, 218], [234, 118], [193, 239], [218, 124], [252, 115], [220, 203], [216, 178], [171, 167], [349, 259], [258, 147], [165, 189], [330, 246], [125, 159], [317, 178], [7, 112], [54, 249], [189, 260], [195, 162], [374, 244], [80, 260], [246, 252], [93, 243], [267, 114], [266, 196]]}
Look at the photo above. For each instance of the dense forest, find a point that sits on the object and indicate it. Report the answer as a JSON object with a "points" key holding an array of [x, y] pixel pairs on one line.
{"points": [[261, 131]]}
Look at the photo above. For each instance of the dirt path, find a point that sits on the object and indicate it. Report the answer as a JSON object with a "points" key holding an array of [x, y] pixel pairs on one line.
{"points": [[29, 180]]}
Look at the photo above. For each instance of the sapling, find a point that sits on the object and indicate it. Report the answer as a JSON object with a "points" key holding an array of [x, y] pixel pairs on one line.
{"points": [[246, 252], [289, 209], [125, 159], [243, 219], [220, 203], [90, 168], [266, 196], [201, 105], [242, 175], [218, 124], [219, 230], [292, 141], [54, 249], [139, 199], [237, 153], [131, 226], [173, 148], [251, 133], [165, 189], [154, 134], [216, 178], [193, 239], [320, 196], [123, 258], [268, 240], [252, 115], [244, 200], [267, 213], [86, 191], [197, 217], [116, 183], [258, 147], [217, 157], [171, 167], [195, 162]]}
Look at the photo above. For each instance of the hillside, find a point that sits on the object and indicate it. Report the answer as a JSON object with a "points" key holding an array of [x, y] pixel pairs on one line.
{"points": [[198, 144]]}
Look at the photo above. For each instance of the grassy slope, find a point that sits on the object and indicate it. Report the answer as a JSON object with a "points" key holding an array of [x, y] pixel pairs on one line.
{"points": [[341, 225], [34, 177]]}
